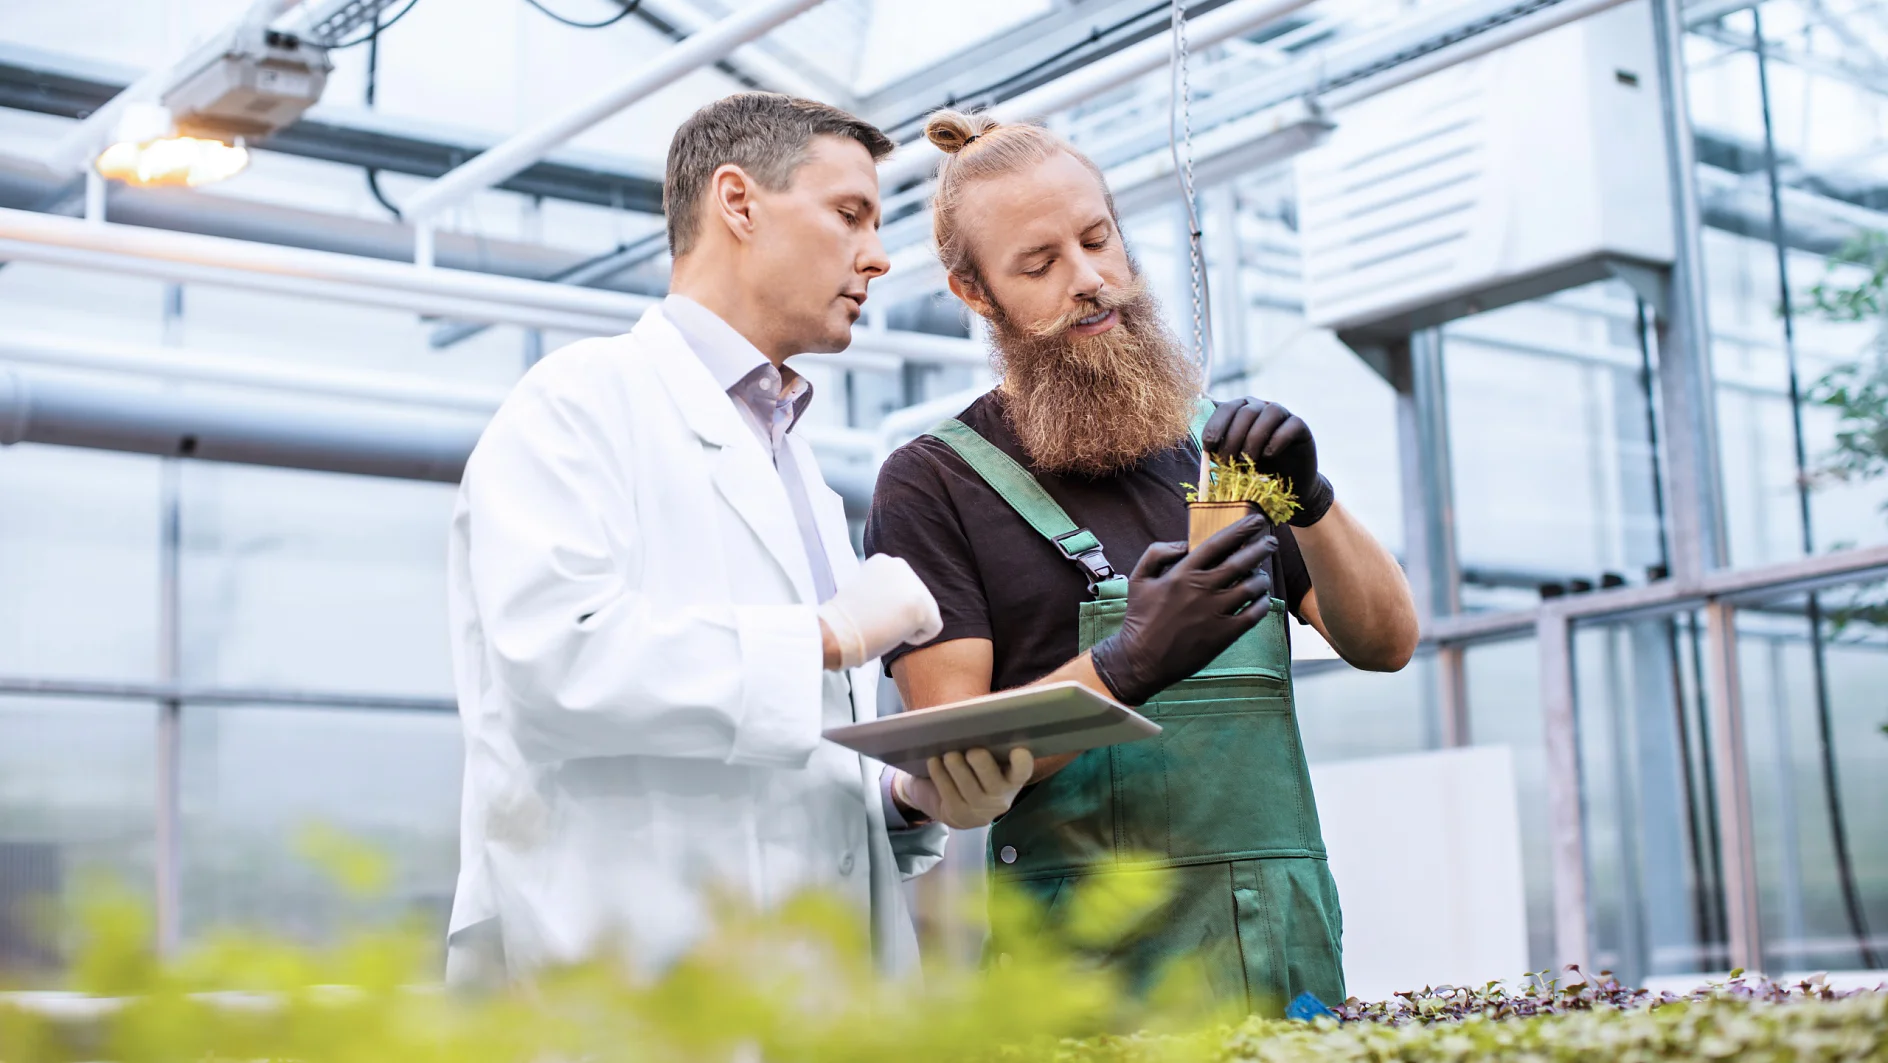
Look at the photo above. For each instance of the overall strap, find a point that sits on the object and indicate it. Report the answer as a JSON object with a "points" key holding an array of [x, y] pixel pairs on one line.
{"points": [[1016, 486]]}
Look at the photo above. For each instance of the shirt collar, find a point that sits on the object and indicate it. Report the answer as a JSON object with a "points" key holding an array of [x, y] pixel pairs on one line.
{"points": [[735, 363]]}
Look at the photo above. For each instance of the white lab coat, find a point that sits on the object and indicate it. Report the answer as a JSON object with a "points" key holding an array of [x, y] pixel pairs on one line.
{"points": [[638, 664]]}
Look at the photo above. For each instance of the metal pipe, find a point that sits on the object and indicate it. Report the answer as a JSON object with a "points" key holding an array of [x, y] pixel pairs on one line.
{"points": [[233, 696], [240, 263], [1547, 18], [916, 159], [328, 437], [189, 258], [530, 145], [1694, 486], [1670, 596], [1730, 764], [1565, 812], [171, 363], [167, 840]]}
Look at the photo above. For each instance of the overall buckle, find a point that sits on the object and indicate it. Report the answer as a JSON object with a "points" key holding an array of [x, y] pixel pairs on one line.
{"points": [[1082, 547]]}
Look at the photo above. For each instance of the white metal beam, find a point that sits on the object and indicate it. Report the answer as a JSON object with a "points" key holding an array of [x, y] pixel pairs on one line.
{"points": [[202, 367], [916, 159], [530, 145], [30, 237]]}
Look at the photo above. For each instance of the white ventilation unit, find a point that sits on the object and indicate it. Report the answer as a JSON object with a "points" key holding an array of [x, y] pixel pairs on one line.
{"points": [[1525, 171]]}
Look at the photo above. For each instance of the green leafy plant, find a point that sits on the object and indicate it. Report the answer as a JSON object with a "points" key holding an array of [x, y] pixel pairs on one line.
{"points": [[1239, 480], [796, 985], [1857, 391]]}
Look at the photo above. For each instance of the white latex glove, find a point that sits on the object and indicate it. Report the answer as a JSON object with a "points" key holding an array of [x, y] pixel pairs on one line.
{"points": [[883, 605], [965, 790]]}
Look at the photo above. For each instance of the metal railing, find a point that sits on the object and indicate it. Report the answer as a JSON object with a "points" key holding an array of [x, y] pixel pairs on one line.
{"points": [[1717, 595]]}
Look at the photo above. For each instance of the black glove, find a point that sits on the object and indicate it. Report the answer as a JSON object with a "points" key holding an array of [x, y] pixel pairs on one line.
{"points": [[1279, 443], [1184, 609]]}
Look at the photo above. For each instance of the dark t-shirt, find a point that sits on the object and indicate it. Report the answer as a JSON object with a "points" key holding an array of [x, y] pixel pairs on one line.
{"points": [[997, 578]]}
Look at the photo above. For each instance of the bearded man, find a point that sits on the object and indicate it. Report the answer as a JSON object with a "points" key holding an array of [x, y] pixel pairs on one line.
{"points": [[1015, 515]]}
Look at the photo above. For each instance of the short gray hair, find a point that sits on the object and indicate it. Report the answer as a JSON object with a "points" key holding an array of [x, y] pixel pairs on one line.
{"points": [[764, 133]]}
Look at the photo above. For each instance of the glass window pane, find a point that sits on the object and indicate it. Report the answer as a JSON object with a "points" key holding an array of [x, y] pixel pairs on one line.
{"points": [[77, 797], [1503, 682], [257, 779], [315, 581], [78, 563], [1803, 786]]}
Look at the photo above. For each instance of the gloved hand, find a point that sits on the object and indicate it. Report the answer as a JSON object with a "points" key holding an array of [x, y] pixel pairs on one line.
{"points": [[1279, 443], [1184, 609], [882, 605], [965, 790]]}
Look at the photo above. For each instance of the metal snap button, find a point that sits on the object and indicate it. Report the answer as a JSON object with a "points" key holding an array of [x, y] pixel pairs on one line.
{"points": [[845, 864], [1007, 854]]}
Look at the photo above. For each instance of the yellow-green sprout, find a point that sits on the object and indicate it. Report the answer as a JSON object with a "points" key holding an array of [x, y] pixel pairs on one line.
{"points": [[1239, 480]]}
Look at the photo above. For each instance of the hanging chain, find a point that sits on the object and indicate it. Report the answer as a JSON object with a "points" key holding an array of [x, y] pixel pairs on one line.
{"points": [[1180, 144]]}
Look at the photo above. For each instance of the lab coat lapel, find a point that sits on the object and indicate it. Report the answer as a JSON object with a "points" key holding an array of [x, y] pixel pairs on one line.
{"points": [[835, 538], [740, 469]]}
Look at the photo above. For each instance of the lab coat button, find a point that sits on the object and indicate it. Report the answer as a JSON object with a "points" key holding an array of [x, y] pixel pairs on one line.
{"points": [[1007, 854], [845, 864]]}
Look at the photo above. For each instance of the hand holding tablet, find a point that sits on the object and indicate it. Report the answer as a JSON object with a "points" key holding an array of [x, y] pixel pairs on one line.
{"points": [[1046, 720]]}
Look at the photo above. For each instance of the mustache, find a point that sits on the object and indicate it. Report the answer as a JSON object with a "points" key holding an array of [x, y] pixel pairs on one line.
{"points": [[1105, 299]]}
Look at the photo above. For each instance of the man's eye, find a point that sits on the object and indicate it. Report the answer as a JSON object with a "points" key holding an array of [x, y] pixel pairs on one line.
{"points": [[1039, 271], [851, 218], [1097, 244]]}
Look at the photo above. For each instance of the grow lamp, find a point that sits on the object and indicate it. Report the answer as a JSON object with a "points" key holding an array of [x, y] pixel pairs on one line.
{"points": [[148, 151]]}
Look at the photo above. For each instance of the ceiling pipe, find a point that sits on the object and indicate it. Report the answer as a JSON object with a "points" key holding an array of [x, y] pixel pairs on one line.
{"points": [[192, 259], [198, 367], [531, 144], [178, 210], [915, 160], [39, 407], [241, 264]]}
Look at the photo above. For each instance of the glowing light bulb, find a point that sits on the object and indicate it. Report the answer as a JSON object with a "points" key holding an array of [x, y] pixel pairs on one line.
{"points": [[148, 151]]}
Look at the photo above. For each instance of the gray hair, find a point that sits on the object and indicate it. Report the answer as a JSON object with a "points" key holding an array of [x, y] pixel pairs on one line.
{"points": [[766, 134]]}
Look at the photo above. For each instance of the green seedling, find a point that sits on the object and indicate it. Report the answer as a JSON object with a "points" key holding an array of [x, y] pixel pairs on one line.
{"points": [[1239, 480]]}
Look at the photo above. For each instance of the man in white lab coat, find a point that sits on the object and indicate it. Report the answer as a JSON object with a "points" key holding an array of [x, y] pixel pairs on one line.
{"points": [[655, 606]]}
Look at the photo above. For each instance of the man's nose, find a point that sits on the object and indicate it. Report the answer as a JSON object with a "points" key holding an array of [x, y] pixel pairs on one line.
{"points": [[874, 262], [1086, 284]]}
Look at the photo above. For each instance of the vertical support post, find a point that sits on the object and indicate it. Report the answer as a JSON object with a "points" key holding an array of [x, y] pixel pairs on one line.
{"points": [[1429, 515], [168, 862], [1565, 810], [1687, 386], [534, 231], [423, 244], [94, 197], [1730, 765]]}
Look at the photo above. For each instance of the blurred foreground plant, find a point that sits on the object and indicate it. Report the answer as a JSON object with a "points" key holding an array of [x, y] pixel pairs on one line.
{"points": [[797, 984]]}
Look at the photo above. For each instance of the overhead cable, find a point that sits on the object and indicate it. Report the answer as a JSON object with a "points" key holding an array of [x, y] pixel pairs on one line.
{"points": [[628, 10], [379, 28]]}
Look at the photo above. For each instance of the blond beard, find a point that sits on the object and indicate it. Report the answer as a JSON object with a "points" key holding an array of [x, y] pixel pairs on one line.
{"points": [[1096, 405]]}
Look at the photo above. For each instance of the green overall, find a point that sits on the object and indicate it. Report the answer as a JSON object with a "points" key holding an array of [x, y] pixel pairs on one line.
{"points": [[1220, 798]]}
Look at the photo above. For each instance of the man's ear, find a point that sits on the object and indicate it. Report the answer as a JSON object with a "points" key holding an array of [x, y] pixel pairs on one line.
{"points": [[972, 293], [731, 200]]}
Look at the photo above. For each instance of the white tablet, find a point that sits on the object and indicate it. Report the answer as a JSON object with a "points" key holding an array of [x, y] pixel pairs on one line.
{"points": [[1053, 718]]}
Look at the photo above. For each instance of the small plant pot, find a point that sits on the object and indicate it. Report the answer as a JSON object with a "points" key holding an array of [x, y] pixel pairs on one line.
{"points": [[1206, 518]]}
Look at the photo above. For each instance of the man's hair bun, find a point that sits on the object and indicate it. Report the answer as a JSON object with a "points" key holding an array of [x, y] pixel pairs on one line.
{"points": [[950, 131]]}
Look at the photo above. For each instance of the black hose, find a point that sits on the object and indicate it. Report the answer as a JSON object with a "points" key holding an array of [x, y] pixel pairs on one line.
{"points": [[373, 79], [1825, 727], [628, 10], [379, 26]]}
